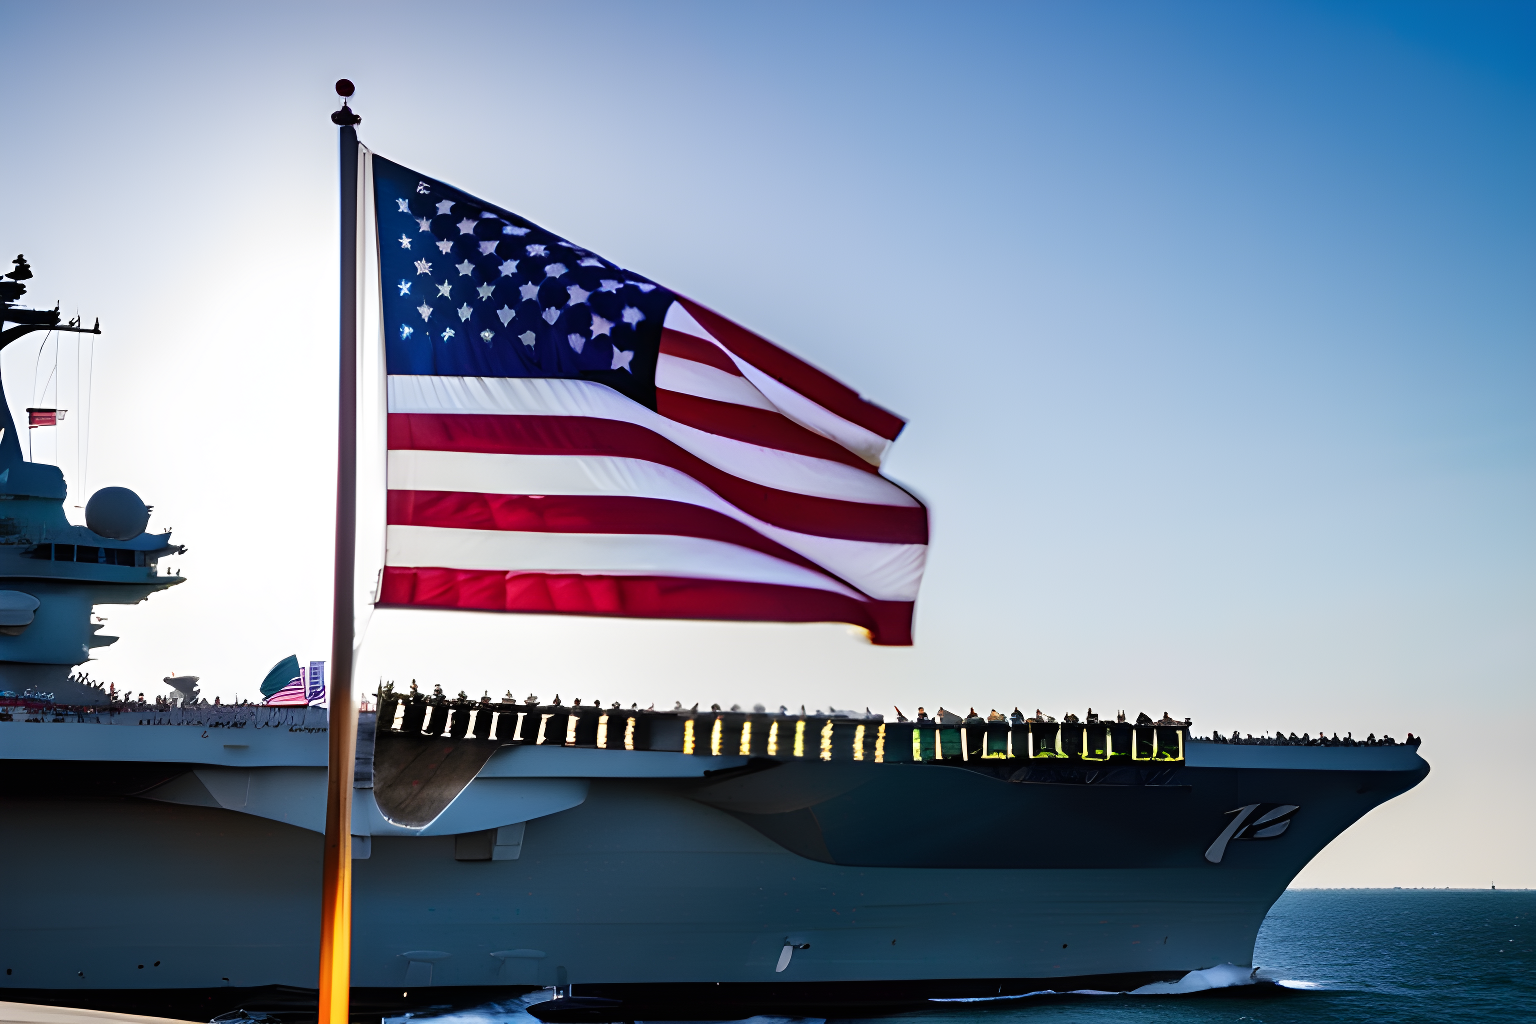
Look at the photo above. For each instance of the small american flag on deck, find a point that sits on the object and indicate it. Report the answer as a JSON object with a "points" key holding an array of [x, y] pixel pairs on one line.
{"points": [[284, 683], [569, 437]]}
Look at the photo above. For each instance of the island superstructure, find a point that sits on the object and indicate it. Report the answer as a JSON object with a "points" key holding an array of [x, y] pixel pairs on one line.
{"points": [[54, 573]]}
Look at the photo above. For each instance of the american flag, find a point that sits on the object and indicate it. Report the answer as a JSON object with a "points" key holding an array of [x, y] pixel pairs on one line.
{"points": [[566, 436], [293, 693]]}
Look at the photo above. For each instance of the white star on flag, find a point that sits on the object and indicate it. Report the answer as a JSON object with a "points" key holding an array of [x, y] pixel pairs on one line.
{"points": [[537, 250], [486, 336], [590, 262], [506, 313], [508, 267], [488, 248], [405, 243], [423, 267], [551, 315], [425, 225], [554, 270], [405, 287], [445, 289], [608, 285], [577, 293], [601, 326], [443, 207], [466, 226], [485, 291], [448, 334], [631, 315], [621, 360], [529, 290], [445, 247], [464, 268], [464, 312], [576, 342], [425, 311], [405, 205], [527, 338]]}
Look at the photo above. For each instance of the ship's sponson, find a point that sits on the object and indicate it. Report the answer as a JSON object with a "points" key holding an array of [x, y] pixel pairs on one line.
{"points": [[782, 736]]}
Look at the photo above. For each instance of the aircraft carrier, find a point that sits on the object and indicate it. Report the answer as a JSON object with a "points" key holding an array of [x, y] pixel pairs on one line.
{"points": [[165, 856], [655, 865]]}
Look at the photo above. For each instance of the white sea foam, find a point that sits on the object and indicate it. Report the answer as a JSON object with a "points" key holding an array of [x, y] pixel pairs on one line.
{"points": [[761, 1019], [512, 1011], [515, 1011], [996, 999], [1220, 976]]}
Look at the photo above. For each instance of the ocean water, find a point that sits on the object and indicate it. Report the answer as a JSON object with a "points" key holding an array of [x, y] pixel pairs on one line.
{"points": [[1357, 956]]}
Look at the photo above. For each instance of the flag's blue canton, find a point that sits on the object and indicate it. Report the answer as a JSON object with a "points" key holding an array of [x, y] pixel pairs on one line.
{"points": [[470, 289]]}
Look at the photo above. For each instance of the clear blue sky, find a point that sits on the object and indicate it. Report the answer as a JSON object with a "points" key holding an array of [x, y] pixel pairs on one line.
{"points": [[1214, 324]]}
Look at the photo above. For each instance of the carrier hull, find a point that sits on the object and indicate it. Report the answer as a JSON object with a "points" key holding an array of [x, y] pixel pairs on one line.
{"points": [[662, 893]]}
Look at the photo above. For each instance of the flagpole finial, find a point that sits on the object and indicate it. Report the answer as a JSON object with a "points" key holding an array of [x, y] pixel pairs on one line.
{"points": [[344, 116]]}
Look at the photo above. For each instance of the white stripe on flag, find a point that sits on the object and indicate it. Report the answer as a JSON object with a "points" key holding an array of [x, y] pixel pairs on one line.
{"points": [[609, 554], [863, 442], [887, 572], [293, 693], [784, 471], [688, 377]]}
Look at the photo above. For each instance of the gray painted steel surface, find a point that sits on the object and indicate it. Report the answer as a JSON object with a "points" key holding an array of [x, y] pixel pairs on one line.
{"points": [[925, 871]]}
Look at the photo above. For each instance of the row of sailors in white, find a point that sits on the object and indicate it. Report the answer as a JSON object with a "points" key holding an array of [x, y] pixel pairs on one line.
{"points": [[1280, 739], [942, 717]]}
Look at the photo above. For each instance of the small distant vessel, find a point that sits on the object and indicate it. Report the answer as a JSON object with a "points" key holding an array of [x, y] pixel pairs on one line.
{"points": [[684, 864]]}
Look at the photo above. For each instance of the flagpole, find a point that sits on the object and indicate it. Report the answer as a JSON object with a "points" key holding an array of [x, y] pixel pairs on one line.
{"points": [[336, 885]]}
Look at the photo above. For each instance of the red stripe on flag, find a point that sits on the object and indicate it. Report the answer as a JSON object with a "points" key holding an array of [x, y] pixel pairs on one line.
{"points": [[580, 435], [644, 597], [820, 388], [564, 513], [686, 346], [755, 426], [293, 693]]}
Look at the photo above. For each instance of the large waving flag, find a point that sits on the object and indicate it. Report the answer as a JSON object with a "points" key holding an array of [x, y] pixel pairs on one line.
{"points": [[568, 437]]}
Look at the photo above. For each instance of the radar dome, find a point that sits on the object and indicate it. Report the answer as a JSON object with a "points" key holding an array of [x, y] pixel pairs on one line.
{"points": [[116, 513]]}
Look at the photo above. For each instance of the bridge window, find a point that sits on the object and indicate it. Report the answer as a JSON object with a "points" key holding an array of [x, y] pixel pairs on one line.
{"points": [[88, 553]]}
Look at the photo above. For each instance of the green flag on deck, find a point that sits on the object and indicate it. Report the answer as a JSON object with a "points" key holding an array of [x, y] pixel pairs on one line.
{"points": [[283, 673]]}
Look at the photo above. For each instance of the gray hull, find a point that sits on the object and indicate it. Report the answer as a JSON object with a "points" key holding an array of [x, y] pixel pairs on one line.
{"points": [[646, 892]]}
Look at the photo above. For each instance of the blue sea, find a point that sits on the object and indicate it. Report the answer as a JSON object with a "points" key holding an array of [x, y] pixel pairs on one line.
{"points": [[1358, 956]]}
